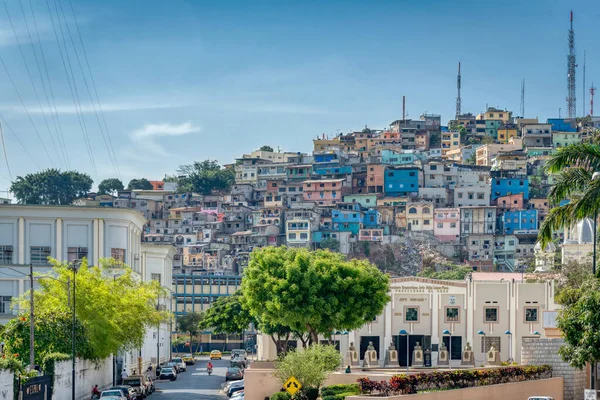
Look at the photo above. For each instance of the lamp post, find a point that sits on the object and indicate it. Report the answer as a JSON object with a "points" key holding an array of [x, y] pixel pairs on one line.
{"points": [[404, 333], [449, 334], [595, 176], [509, 345], [74, 266]]}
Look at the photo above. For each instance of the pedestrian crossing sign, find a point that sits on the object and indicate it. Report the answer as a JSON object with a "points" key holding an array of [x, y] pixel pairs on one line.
{"points": [[292, 385]]}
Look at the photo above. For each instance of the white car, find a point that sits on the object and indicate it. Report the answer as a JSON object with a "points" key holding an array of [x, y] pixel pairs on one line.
{"points": [[180, 364]]}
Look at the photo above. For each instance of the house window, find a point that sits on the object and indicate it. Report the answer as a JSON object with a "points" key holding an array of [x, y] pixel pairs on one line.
{"points": [[76, 253], [6, 255], [39, 255], [440, 225], [460, 195], [411, 314], [5, 304], [452, 314], [304, 236], [412, 210], [426, 210], [291, 236], [426, 222], [490, 314], [480, 196], [531, 314], [118, 254], [155, 277], [452, 224]]}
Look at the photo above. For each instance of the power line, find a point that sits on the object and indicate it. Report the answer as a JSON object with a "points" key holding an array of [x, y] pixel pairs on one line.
{"points": [[19, 141], [25, 107], [72, 85], [29, 75], [104, 135], [4, 149], [57, 124], [95, 88]]}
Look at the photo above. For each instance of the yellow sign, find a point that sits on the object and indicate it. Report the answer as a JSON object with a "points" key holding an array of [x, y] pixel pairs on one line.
{"points": [[292, 385]]}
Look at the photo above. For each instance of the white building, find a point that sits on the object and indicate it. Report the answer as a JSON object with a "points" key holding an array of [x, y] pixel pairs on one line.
{"points": [[29, 234]]}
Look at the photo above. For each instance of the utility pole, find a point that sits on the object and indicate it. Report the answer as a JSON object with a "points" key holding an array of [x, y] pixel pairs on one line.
{"points": [[31, 324], [571, 64], [73, 335], [458, 99]]}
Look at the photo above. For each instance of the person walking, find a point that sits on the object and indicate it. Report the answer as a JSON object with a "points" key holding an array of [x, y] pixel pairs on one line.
{"points": [[124, 375]]}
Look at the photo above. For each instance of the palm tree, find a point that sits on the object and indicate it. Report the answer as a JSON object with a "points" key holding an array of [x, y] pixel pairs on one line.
{"points": [[574, 168]]}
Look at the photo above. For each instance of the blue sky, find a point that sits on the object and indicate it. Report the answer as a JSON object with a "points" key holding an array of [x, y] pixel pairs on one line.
{"points": [[183, 81]]}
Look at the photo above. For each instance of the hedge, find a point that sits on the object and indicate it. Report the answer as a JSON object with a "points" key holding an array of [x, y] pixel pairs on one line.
{"points": [[339, 392], [457, 379], [281, 396]]}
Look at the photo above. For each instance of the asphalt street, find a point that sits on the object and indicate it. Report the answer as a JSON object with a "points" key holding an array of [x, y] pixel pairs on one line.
{"points": [[194, 383]]}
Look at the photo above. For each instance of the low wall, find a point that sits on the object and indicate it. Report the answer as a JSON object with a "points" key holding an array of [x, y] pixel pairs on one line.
{"points": [[87, 374], [6, 385], [552, 387], [545, 351]]}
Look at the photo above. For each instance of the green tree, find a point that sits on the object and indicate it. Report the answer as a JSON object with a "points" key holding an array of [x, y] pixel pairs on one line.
{"points": [[190, 324], [574, 166], [266, 148], [204, 177], [331, 244], [114, 313], [110, 186], [450, 272], [51, 187], [140, 184], [578, 320], [310, 366], [315, 292], [227, 315]]}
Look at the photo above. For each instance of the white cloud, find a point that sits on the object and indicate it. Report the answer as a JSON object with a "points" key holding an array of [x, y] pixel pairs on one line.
{"points": [[147, 136]]}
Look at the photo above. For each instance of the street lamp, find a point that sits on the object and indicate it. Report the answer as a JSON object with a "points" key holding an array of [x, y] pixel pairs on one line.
{"points": [[509, 345], [449, 334], [404, 333], [74, 267], [537, 334], [482, 333]]}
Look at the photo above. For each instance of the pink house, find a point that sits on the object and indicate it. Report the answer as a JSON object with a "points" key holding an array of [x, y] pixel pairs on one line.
{"points": [[446, 224], [324, 191]]}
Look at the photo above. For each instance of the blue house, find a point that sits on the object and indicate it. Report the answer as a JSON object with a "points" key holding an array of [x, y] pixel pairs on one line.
{"points": [[563, 124], [519, 220], [508, 186], [333, 170], [393, 157], [401, 181], [347, 220], [372, 218]]}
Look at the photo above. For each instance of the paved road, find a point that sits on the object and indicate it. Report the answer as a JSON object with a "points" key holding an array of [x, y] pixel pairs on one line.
{"points": [[194, 384]]}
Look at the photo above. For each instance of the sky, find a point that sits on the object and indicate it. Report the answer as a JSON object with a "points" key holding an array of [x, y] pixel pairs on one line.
{"points": [[179, 81]]}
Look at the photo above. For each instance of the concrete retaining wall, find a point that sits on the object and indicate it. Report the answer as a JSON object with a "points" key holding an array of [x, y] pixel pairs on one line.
{"points": [[552, 387], [545, 351], [87, 375], [6, 385]]}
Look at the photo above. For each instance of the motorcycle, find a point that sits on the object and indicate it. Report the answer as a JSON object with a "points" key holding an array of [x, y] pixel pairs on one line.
{"points": [[209, 370]]}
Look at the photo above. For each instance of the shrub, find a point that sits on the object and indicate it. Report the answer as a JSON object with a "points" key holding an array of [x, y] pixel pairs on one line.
{"points": [[310, 366], [281, 396], [411, 384], [339, 389]]}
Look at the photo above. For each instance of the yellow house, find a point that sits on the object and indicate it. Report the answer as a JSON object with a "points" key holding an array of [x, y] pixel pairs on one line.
{"points": [[506, 132]]}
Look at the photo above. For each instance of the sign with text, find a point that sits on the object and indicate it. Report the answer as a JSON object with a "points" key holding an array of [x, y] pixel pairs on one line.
{"points": [[590, 394]]}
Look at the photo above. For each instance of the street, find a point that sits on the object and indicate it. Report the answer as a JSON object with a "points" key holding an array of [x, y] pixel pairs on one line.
{"points": [[194, 383]]}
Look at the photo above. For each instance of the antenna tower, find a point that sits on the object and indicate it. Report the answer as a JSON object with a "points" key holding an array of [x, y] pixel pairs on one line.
{"points": [[458, 100], [583, 109], [571, 97], [592, 93], [522, 98]]}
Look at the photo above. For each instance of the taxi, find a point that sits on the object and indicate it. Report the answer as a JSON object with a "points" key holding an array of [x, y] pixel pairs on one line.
{"points": [[188, 359], [215, 355]]}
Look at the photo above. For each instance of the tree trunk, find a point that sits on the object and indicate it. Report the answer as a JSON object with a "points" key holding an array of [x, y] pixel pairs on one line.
{"points": [[314, 336]]}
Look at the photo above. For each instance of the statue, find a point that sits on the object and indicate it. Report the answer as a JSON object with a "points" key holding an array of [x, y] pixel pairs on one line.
{"points": [[468, 357], [351, 348], [392, 347], [417, 356], [443, 346], [391, 356], [468, 347], [493, 357], [417, 347], [370, 346], [443, 357], [371, 356], [352, 355]]}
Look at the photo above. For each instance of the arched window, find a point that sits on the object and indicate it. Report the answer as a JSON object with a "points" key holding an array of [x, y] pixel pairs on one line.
{"points": [[412, 210], [426, 210]]}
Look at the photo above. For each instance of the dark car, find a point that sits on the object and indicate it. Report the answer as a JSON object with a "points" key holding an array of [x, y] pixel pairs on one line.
{"points": [[168, 373], [234, 374], [172, 364], [127, 391]]}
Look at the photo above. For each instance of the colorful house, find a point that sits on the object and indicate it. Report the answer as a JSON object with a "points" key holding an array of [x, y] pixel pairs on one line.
{"points": [[324, 191], [508, 186], [402, 181], [519, 220]]}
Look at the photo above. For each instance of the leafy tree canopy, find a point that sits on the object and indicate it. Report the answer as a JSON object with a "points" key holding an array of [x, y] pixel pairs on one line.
{"points": [[204, 177], [331, 244], [110, 186], [450, 272], [315, 292], [266, 148], [310, 366], [140, 184], [227, 315], [579, 322], [52, 187], [190, 323], [114, 313]]}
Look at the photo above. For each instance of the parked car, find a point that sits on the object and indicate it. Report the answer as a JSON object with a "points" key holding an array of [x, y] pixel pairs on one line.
{"points": [[151, 386], [180, 364], [235, 387], [139, 384], [112, 394], [127, 391], [215, 355], [239, 353], [174, 365], [238, 395], [168, 373], [234, 374], [188, 359]]}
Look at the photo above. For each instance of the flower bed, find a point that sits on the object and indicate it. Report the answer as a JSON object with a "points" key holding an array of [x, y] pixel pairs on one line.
{"points": [[457, 379]]}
